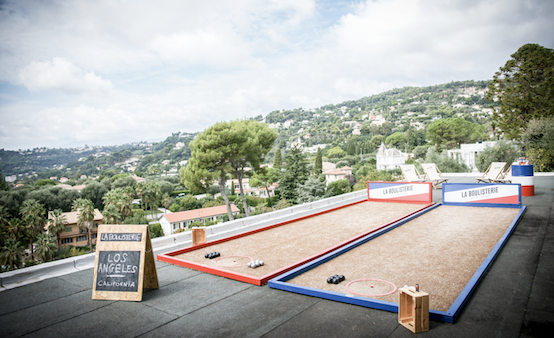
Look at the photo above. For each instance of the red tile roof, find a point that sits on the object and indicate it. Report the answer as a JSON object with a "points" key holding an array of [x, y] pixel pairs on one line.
{"points": [[182, 216]]}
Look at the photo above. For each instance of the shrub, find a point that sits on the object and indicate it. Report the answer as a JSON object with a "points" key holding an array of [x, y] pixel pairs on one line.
{"points": [[254, 201], [213, 203], [136, 219], [445, 163], [501, 152], [539, 139], [338, 187], [156, 230]]}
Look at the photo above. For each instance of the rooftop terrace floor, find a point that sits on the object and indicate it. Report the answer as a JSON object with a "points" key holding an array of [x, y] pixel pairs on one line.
{"points": [[515, 299]]}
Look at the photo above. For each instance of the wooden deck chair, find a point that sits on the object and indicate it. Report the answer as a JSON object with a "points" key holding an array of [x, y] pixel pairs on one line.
{"points": [[433, 174], [410, 173], [505, 177], [494, 172]]}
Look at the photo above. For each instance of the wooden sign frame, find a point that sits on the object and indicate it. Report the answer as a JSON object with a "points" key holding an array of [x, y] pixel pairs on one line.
{"points": [[124, 263]]}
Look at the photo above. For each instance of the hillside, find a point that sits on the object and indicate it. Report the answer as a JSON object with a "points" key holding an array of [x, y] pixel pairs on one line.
{"points": [[350, 124]]}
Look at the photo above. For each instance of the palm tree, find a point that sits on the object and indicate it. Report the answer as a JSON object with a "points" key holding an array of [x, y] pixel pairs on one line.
{"points": [[120, 199], [4, 216], [166, 201], [111, 214], [32, 213], [12, 253], [46, 246], [56, 223], [85, 216], [15, 228], [140, 190]]}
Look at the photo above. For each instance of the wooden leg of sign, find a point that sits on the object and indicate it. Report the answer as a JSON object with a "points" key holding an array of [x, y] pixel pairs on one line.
{"points": [[150, 272]]}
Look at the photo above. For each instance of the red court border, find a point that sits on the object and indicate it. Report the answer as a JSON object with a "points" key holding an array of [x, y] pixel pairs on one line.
{"points": [[169, 257]]}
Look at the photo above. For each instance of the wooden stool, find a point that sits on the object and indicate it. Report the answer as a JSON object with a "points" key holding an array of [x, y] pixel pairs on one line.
{"points": [[413, 309], [198, 236]]}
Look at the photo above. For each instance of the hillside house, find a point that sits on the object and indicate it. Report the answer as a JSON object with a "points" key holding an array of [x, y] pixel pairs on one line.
{"points": [[183, 219], [337, 174], [327, 166], [249, 190], [73, 235], [389, 159]]}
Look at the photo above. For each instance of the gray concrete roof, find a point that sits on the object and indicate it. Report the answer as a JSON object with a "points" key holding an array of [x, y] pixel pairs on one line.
{"points": [[515, 299]]}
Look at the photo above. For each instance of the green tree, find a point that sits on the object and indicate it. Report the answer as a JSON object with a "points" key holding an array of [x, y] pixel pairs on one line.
{"points": [[44, 182], [56, 223], [312, 190], [46, 246], [12, 253], [166, 201], [376, 141], [94, 192], [121, 200], [277, 160], [16, 228], [454, 131], [338, 187], [296, 173], [251, 141], [397, 140], [318, 166], [265, 177], [3, 184], [501, 152], [420, 152], [85, 217], [539, 140], [211, 151], [189, 202], [524, 87], [32, 214], [111, 214], [336, 152], [156, 230], [123, 182]]}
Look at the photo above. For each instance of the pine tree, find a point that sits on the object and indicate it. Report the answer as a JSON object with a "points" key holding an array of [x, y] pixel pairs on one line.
{"points": [[318, 167], [277, 161], [296, 174], [524, 87]]}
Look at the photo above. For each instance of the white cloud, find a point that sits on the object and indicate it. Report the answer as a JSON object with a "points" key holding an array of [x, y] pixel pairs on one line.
{"points": [[61, 75], [184, 65], [218, 49]]}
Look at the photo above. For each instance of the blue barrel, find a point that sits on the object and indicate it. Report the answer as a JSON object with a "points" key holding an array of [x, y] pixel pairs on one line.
{"points": [[523, 174]]}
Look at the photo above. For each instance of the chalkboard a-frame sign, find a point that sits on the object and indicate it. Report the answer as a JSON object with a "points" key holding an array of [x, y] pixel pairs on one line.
{"points": [[124, 263]]}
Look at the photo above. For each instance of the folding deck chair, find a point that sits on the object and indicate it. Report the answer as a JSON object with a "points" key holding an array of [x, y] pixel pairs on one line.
{"points": [[506, 177], [493, 174], [410, 173], [433, 174]]}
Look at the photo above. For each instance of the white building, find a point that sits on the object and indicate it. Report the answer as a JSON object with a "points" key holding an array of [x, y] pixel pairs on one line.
{"points": [[468, 152], [389, 159]]}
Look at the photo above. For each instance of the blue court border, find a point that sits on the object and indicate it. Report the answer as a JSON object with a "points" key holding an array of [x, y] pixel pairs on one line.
{"points": [[449, 316]]}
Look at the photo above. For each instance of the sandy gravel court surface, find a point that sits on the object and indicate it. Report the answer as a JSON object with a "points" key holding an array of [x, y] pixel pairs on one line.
{"points": [[284, 245], [440, 251]]}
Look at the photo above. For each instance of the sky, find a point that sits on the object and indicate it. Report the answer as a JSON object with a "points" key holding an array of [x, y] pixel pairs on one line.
{"points": [[77, 72]]}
